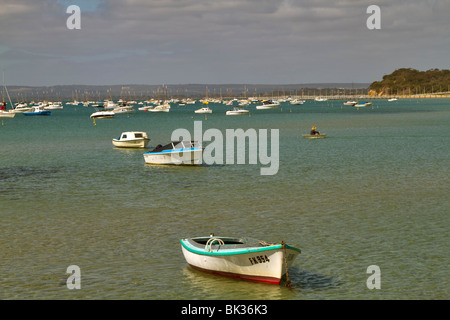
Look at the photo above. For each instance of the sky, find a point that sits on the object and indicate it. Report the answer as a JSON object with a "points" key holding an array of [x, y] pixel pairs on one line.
{"points": [[219, 41]]}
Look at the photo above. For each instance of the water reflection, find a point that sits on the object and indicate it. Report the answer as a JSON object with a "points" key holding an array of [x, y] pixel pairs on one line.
{"points": [[206, 286], [310, 280], [17, 172]]}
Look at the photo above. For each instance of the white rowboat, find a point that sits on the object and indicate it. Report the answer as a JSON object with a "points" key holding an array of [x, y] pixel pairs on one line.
{"points": [[239, 257]]}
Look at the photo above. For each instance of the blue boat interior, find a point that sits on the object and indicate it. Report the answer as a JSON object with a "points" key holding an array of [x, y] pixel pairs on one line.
{"points": [[174, 145]]}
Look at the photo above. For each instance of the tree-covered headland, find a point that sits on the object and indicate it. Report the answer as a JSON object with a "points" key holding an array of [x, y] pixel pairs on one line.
{"points": [[407, 81]]}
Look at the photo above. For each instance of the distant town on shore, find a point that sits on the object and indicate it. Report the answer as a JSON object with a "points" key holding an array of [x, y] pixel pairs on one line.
{"points": [[402, 82]]}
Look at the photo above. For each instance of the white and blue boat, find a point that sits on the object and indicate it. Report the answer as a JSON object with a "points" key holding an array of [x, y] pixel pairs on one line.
{"points": [[176, 152], [241, 258], [37, 111]]}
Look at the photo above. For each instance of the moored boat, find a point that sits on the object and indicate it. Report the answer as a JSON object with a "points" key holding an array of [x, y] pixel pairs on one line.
{"points": [[3, 112], [350, 103], [131, 139], [268, 104], [363, 104], [102, 114], [241, 258], [237, 111], [109, 105], [21, 108], [176, 152], [53, 106], [160, 108], [7, 114], [297, 102], [37, 111], [203, 110], [124, 109]]}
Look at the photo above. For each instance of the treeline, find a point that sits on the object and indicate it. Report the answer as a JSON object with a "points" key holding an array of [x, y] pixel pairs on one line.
{"points": [[410, 81]]}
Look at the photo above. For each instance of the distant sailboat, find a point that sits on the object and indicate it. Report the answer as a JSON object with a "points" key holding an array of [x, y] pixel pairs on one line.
{"points": [[3, 112]]}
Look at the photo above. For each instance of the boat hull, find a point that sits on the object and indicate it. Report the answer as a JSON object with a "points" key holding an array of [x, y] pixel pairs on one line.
{"points": [[123, 110], [38, 113], [54, 107], [158, 110], [203, 111], [178, 157], [237, 113], [262, 264], [137, 143], [314, 136], [7, 114], [266, 107], [102, 115], [362, 105], [21, 110]]}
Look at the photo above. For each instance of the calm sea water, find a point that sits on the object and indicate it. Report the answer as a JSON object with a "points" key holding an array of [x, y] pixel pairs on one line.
{"points": [[374, 192]]}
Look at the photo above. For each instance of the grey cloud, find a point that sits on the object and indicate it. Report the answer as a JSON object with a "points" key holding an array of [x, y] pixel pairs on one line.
{"points": [[221, 41]]}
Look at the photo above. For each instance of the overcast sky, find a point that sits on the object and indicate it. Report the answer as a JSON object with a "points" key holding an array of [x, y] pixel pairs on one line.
{"points": [[219, 41]]}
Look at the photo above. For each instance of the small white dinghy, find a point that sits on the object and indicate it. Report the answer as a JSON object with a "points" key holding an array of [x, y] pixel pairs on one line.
{"points": [[241, 258]]}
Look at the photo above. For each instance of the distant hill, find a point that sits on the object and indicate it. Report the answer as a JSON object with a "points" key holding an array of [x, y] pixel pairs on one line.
{"points": [[139, 91], [410, 81]]}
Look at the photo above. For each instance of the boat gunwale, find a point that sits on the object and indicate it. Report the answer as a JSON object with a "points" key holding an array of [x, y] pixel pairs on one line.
{"points": [[175, 150], [230, 251]]}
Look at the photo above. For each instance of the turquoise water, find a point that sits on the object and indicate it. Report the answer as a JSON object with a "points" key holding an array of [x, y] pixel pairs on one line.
{"points": [[374, 192]]}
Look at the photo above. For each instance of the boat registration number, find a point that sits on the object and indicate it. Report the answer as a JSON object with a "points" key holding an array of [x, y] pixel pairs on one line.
{"points": [[258, 259]]}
